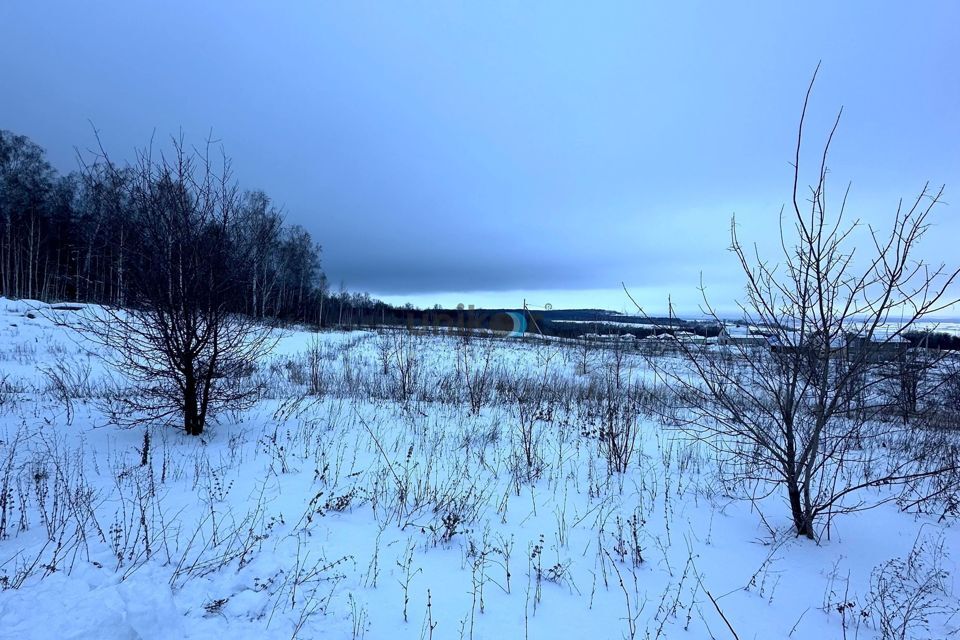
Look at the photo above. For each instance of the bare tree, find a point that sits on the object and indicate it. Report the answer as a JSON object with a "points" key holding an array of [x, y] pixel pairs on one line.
{"points": [[26, 184], [181, 339], [781, 414]]}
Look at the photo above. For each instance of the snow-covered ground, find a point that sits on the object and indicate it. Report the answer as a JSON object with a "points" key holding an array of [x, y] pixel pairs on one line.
{"points": [[398, 486]]}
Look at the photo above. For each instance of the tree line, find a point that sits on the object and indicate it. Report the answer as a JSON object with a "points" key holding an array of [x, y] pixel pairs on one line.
{"points": [[76, 237]]}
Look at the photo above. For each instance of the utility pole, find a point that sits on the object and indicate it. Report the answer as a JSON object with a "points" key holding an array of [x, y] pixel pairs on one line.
{"points": [[532, 319]]}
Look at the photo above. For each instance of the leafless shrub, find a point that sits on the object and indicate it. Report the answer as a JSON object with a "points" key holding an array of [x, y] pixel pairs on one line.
{"points": [[277, 445], [532, 410], [936, 494], [8, 479], [828, 319], [44, 482], [385, 351], [316, 368], [947, 413], [405, 371], [136, 532], [15, 571], [307, 586], [10, 392], [180, 340], [626, 538], [474, 361], [611, 420], [68, 381], [220, 539], [906, 594], [584, 350]]}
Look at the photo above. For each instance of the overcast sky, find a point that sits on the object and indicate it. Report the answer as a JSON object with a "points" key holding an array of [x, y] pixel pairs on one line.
{"points": [[488, 152]]}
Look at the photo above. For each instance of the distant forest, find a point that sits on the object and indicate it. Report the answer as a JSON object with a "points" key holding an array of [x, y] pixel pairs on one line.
{"points": [[74, 237]]}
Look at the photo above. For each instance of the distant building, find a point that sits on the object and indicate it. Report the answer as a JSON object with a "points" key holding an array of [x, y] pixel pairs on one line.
{"points": [[744, 339], [876, 348]]}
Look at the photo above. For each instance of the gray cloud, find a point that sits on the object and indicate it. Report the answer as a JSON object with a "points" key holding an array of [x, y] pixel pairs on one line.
{"points": [[496, 148]]}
